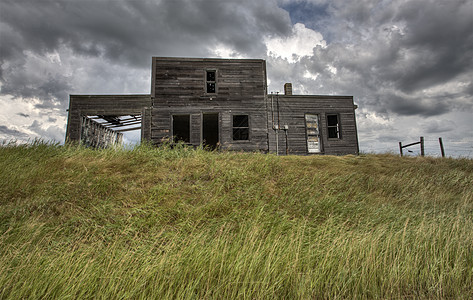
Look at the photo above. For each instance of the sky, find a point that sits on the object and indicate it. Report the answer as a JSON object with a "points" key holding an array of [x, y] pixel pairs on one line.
{"points": [[407, 63]]}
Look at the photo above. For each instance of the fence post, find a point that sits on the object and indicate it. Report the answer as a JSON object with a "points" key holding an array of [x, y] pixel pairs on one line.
{"points": [[422, 153], [400, 148], [441, 147]]}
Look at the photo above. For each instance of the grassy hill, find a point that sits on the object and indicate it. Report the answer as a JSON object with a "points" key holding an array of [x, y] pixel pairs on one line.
{"points": [[182, 223]]}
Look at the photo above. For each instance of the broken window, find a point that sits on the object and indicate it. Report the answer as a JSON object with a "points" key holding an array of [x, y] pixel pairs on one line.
{"points": [[313, 136], [181, 128], [241, 128], [211, 81], [333, 127]]}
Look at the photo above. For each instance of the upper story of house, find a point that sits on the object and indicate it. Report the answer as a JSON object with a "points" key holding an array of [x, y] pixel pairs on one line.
{"points": [[203, 81]]}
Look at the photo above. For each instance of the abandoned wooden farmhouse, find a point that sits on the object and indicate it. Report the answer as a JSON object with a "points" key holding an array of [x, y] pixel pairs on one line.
{"points": [[218, 103]]}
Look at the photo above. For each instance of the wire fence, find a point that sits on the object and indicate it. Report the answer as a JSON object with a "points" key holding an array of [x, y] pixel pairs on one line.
{"points": [[452, 148]]}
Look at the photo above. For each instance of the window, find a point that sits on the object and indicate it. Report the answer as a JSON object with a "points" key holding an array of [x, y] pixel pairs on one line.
{"points": [[181, 128], [211, 82], [241, 128], [313, 137], [333, 127]]}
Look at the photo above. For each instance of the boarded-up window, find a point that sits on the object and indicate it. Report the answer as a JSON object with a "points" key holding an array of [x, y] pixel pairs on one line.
{"points": [[241, 128], [313, 135], [181, 128], [333, 127], [211, 81]]}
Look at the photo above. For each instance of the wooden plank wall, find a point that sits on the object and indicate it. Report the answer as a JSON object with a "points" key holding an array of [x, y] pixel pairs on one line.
{"points": [[292, 110], [90, 105], [178, 87], [96, 135]]}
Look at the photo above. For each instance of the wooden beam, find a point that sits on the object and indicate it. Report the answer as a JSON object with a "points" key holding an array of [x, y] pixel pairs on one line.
{"points": [[412, 144], [123, 124], [128, 129], [122, 121]]}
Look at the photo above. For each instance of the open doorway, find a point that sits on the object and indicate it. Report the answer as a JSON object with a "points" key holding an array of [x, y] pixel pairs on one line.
{"points": [[210, 131], [181, 128]]}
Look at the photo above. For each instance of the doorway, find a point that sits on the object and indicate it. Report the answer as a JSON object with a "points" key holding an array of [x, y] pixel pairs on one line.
{"points": [[181, 128], [313, 133], [210, 130]]}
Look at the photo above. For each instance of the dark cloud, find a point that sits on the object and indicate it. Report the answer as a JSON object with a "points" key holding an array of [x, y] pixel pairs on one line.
{"points": [[52, 132], [4, 130], [132, 31], [436, 126], [411, 59], [124, 33], [411, 106], [441, 47], [399, 48]]}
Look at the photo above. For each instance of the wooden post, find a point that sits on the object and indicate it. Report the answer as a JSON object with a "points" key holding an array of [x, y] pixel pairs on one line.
{"points": [[287, 146], [400, 148], [422, 153], [441, 147]]}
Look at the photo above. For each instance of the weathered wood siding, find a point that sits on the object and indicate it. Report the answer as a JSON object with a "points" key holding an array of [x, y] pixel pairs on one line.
{"points": [[91, 105], [95, 135], [292, 111], [178, 87]]}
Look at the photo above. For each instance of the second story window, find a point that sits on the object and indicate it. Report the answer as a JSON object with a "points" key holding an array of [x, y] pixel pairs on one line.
{"points": [[211, 82]]}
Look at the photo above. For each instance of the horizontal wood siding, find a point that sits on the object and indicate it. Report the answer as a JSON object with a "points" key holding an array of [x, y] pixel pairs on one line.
{"points": [[292, 110], [89, 105], [179, 88]]}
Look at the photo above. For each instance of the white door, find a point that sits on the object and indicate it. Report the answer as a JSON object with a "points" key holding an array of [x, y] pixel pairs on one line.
{"points": [[313, 135]]}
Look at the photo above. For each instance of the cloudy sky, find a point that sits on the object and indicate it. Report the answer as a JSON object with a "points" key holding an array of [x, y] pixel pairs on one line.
{"points": [[408, 63]]}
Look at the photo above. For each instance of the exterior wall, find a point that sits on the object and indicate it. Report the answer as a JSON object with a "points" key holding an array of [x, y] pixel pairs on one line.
{"points": [[90, 105], [178, 87], [292, 111]]}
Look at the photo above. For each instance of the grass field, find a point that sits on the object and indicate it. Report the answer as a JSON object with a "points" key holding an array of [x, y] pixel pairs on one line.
{"points": [[191, 224]]}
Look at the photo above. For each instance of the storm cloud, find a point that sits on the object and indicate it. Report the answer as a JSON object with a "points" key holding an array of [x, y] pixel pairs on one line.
{"points": [[403, 60]]}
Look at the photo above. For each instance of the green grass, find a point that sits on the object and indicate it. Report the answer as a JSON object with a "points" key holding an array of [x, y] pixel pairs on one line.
{"points": [[191, 224]]}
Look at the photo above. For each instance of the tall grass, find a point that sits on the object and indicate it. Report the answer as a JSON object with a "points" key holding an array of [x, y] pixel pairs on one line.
{"points": [[187, 223]]}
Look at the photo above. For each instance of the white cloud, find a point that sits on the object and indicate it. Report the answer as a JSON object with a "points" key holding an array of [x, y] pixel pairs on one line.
{"points": [[309, 75], [391, 55], [29, 122], [300, 43], [224, 51]]}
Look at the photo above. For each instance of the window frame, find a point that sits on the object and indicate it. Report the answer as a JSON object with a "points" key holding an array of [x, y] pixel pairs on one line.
{"points": [[337, 126], [206, 81], [241, 127]]}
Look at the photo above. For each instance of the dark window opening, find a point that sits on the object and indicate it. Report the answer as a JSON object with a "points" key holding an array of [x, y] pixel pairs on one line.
{"points": [[241, 129], [210, 75], [333, 127], [181, 128], [210, 87], [211, 82], [210, 130]]}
